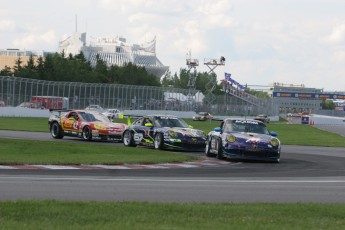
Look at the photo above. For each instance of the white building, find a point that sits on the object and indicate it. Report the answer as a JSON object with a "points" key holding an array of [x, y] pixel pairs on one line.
{"points": [[115, 51]]}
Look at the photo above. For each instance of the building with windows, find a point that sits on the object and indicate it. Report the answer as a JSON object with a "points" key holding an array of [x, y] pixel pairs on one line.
{"points": [[114, 51], [298, 98], [9, 57]]}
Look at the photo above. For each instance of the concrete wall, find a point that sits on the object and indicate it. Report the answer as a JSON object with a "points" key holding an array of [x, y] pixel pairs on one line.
{"points": [[23, 112]]}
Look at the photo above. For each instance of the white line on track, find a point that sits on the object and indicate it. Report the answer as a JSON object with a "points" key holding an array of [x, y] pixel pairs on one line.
{"points": [[172, 180]]}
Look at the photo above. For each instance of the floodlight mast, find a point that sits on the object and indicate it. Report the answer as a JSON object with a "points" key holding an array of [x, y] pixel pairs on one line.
{"points": [[192, 64], [212, 64]]}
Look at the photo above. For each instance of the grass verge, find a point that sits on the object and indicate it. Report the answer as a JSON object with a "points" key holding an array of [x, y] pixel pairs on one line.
{"points": [[50, 152], [43, 152], [143, 215], [34, 124], [290, 134]]}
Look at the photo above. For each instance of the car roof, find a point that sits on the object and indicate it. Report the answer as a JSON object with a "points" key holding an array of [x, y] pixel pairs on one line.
{"points": [[84, 111], [161, 115], [242, 119]]}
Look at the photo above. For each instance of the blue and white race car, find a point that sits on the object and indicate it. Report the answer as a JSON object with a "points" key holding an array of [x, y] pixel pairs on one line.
{"points": [[164, 132], [243, 139]]}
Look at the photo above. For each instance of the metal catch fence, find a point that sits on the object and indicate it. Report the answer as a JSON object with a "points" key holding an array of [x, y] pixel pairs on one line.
{"points": [[15, 91]]}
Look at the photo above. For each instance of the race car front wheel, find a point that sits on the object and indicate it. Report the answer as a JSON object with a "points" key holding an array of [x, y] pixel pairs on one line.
{"points": [[128, 139], [208, 149], [219, 149], [87, 134], [56, 131], [159, 141]]}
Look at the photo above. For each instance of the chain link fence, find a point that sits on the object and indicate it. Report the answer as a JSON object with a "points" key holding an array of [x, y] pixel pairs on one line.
{"points": [[15, 91]]}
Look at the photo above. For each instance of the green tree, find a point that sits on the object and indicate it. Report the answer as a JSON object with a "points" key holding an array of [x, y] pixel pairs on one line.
{"points": [[17, 66], [48, 69], [259, 94], [57, 67], [167, 79], [100, 72], [328, 105], [29, 69], [40, 68], [6, 71]]}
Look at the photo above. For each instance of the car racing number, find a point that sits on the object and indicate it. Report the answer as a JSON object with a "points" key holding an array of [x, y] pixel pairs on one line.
{"points": [[75, 125], [138, 137]]}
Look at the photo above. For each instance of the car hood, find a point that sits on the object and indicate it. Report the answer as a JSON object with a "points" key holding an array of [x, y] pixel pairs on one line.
{"points": [[186, 132], [251, 137], [108, 125]]}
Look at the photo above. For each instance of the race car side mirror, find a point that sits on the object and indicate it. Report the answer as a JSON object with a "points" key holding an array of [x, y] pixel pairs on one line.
{"points": [[218, 129], [148, 125], [274, 134]]}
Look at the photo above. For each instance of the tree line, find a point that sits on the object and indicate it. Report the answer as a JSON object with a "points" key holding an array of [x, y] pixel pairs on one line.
{"points": [[75, 68], [57, 67]]}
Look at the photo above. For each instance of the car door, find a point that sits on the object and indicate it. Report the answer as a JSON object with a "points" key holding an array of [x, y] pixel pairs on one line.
{"points": [[137, 127], [148, 129], [71, 122]]}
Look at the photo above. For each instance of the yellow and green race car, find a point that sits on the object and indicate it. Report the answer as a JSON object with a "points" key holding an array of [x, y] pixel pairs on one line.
{"points": [[164, 132]]}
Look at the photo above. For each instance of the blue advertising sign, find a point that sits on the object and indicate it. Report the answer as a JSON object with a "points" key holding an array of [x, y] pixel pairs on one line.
{"points": [[320, 96], [305, 120]]}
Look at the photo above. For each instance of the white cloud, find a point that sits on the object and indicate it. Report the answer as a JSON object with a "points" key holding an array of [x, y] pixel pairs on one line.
{"points": [[36, 39], [263, 41], [337, 35], [7, 25], [214, 7], [340, 55]]}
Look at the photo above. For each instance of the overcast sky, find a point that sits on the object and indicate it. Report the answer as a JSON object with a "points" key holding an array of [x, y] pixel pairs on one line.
{"points": [[263, 41]]}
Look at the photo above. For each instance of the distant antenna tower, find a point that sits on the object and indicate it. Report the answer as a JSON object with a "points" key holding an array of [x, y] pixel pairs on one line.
{"points": [[76, 23], [212, 83]]}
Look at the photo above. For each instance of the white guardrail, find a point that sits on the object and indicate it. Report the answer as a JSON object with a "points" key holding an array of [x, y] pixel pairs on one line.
{"points": [[28, 112]]}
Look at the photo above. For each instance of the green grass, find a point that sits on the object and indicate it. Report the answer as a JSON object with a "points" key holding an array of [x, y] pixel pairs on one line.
{"points": [[51, 152], [35, 124], [289, 134], [143, 215], [307, 135]]}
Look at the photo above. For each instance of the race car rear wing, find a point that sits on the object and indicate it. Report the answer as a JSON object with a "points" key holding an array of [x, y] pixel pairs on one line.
{"points": [[59, 110], [129, 116]]}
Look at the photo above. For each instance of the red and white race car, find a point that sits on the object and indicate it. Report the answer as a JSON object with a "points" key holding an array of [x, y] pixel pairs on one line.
{"points": [[86, 124]]}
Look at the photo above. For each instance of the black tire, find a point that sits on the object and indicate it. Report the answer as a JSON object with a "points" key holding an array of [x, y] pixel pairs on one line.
{"points": [[56, 130], [208, 148], [220, 154], [159, 141], [128, 139], [87, 134]]}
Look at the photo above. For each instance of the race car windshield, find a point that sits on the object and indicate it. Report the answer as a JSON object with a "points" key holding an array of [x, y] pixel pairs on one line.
{"points": [[170, 122], [91, 117], [246, 127]]}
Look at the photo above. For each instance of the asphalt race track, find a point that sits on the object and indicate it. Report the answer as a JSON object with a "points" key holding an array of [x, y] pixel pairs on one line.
{"points": [[305, 174]]}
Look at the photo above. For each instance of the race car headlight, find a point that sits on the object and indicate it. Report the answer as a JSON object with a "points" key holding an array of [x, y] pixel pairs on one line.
{"points": [[172, 134], [201, 134], [231, 138], [274, 142]]}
